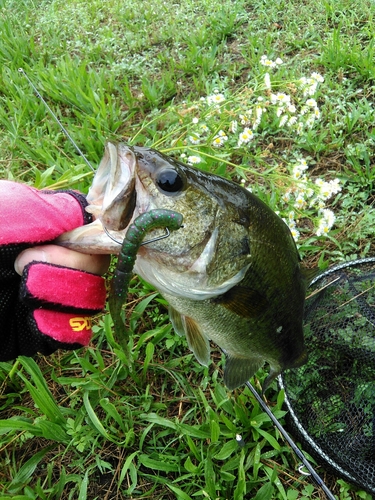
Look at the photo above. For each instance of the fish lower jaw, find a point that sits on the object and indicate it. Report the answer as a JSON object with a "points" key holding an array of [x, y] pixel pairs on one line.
{"points": [[91, 239]]}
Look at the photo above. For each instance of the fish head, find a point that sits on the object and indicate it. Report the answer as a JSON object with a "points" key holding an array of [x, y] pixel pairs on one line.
{"points": [[205, 257]]}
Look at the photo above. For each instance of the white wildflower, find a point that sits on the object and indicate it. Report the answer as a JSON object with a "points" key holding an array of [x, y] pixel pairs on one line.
{"points": [[297, 172], [310, 121], [233, 126], [259, 110], [325, 191], [311, 89], [308, 85], [326, 222], [328, 216], [295, 233], [193, 160], [279, 61], [335, 186], [244, 120], [280, 98], [302, 163], [219, 139], [317, 77], [300, 201], [217, 142], [256, 124], [286, 196], [215, 98], [316, 113], [194, 139], [311, 103], [245, 136], [283, 120], [267, 81], [195, 120], [292, 121], [323, 228], [265, 61], [299, 128]]}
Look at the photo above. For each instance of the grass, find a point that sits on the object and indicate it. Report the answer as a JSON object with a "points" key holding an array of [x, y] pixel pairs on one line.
{"points": [[188, 79]]}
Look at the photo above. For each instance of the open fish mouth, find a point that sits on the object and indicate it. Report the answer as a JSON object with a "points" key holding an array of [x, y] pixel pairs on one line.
{"points": [[112, 196], [112, 200]]}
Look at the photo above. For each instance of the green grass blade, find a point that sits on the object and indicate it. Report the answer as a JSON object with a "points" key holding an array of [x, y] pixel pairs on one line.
{"points": [[25, 473], [40, 392]]}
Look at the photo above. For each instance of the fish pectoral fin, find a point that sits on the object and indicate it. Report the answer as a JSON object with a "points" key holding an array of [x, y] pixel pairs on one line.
{"points": [[197, 341], [176, 320], [244, 301], [239, 370]]}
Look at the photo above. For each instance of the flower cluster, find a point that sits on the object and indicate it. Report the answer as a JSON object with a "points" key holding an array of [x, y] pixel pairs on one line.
{"points": [[309, 85], [297, 111], [222, 124], [309, 197]]}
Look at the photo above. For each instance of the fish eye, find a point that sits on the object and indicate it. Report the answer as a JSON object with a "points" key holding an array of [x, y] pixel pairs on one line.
{"points": [[169, 180]]}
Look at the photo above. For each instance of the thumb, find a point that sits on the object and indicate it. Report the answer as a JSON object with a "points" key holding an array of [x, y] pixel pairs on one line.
{"points": [[54, 254]]}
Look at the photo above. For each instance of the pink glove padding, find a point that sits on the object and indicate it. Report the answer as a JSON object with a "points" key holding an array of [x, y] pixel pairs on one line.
{"points": [[51, 306], [31, 216], [49, 286]]}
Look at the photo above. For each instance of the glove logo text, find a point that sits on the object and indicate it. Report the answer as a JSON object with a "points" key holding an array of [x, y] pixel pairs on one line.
{"points": [[80, 323]]}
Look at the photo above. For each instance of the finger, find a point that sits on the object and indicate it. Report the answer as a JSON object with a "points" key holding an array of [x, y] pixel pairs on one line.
{"points": [[54, 254]]}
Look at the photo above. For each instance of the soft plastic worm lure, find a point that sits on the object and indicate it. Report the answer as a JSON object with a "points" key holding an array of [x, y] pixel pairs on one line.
{"points": [[154, 219]]}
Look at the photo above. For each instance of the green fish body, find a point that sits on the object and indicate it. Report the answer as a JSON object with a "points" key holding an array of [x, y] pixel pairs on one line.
{"points": [[231, 273]]}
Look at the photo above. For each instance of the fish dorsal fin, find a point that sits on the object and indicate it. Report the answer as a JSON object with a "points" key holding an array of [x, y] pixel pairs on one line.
{"points": [[244, 301], [239, 370], [197, 341]]}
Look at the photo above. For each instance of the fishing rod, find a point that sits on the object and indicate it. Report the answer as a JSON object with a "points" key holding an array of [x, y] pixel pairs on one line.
{"points": [[318, 480], [21, 70]]}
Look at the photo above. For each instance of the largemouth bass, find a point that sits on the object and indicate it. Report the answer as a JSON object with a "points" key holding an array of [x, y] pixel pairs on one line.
{"points": [[231, 274]]}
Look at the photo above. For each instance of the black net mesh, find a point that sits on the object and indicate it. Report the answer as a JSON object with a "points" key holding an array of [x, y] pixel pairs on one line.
{"points": [[331, 399]]}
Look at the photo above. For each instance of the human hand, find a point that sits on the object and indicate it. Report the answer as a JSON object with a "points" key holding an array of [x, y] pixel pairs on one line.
{"points": [[47, 293]]}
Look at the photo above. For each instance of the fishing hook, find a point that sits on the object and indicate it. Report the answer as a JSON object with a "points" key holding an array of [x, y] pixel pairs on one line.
{"points": [[21, 70], [158, 238]]}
